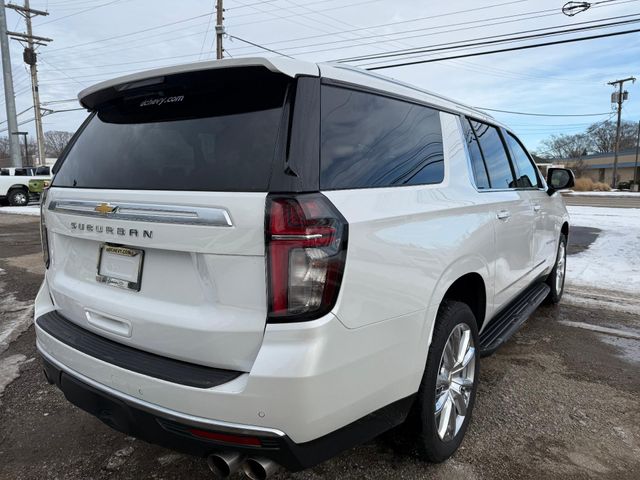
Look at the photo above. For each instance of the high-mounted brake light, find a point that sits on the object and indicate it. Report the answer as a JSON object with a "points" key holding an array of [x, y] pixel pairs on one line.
{"points": [[306, 239]]}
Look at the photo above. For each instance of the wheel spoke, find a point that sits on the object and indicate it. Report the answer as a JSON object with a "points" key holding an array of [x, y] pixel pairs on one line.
{"points": [[448, 356], [441, 400], [459, 401], [463, 346], [445, 417], [462, 383]]}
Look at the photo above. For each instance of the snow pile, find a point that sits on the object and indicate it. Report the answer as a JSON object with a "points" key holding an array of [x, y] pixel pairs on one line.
{"points": [[612, 262], [17, 318], [33, 210], [615, 193], [10, 370]]}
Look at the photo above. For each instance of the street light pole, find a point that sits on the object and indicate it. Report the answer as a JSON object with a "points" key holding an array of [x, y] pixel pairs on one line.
{"points": [[635, 169]]}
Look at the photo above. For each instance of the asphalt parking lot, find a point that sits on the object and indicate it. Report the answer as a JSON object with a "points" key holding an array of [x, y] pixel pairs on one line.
{"points": [[558, 401]]}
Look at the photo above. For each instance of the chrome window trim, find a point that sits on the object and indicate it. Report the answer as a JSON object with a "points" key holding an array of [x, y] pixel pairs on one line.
{"points": [[146, 212]]}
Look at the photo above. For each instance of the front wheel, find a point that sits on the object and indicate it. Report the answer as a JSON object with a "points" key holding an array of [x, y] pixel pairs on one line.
{"points": [[448, 389], [18, 197], [555, 280]]}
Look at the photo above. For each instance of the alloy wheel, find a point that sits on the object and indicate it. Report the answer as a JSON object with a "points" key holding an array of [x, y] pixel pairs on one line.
{"points": [[561, 267], [455, 382]]}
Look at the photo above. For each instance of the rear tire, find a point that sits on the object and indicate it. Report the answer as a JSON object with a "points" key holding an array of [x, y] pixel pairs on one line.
{"points": [[18, 197], [555, 280], [448, 388]]}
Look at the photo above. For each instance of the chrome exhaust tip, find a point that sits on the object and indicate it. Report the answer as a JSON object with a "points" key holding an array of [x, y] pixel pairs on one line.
{"points": [[258, 468], [224, 464]]}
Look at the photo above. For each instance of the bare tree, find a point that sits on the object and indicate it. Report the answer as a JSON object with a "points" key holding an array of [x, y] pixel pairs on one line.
{"points": [[602, 136], [567, 147], [55, 142], [4, 147]]}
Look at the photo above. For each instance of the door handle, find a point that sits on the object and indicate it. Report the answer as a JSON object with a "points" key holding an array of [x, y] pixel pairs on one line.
{"points": [[503, 214], [536, 208]]}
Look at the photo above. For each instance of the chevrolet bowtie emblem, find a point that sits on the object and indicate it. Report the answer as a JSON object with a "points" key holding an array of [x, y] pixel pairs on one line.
{"points": [[104, 208]]}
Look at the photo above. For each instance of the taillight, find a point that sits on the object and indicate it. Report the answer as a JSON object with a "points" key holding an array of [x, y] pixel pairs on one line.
{"points": [[44, 238], [306, 239]]}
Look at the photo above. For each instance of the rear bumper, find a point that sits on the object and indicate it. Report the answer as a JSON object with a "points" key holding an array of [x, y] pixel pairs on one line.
{"points": [[174, 430], [309, 382]]}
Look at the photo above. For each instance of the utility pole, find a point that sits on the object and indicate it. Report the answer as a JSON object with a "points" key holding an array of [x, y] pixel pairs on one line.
{"points": [[219, 28], [619, 97], [635, 169], [9, 96], [30, 58]]}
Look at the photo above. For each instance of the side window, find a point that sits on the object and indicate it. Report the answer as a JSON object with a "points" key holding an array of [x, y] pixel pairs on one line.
{"points": [[42, 171], [495, 155], [477, 161], [4, 172], [368, 140], [527, 177], [21, 172]]}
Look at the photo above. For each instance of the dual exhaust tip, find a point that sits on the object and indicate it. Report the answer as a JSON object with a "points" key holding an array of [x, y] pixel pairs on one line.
{"points": [[225, 464]]}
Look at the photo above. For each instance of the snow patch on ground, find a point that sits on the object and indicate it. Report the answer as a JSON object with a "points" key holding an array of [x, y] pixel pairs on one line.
{"points": [[602, 194], [612, 262], [10, 370], [33, 210], [15, 318]]}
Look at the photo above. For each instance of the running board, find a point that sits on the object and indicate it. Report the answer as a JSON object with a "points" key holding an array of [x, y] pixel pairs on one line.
{"points": [[509, 321]]}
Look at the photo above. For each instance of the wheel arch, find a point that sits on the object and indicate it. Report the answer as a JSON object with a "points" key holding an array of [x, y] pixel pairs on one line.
{"points": [[466, 280]]}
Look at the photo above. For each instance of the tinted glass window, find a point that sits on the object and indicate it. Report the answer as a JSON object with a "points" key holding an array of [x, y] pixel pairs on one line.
{"points": [[4, 172], [477, 161], [495, 156], [373, 141], [42, 171], [527, 177], [211, 130], [20, 172]]}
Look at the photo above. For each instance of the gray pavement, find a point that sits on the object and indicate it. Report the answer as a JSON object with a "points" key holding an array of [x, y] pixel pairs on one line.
{"points": [[557, 401]]}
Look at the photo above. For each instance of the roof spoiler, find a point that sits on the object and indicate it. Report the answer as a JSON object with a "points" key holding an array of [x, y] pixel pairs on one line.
{"points": [[93, 96]]}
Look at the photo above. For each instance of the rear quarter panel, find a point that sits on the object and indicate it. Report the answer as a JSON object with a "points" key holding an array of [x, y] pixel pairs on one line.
{"points": [[407, 245]]}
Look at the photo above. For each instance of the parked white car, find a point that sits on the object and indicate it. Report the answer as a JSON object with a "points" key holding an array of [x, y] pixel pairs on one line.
{"points": [[266, 261], [14, 183]]}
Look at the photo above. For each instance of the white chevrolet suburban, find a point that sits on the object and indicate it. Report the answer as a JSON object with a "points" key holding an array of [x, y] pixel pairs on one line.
{"points": [[265, 261]]}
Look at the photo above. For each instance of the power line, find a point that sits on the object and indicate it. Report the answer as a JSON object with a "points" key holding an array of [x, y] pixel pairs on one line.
{"points": [[144, 30], [78, 13], [511, 49], [373, 27], [545, 114], [494, 39], [259, 46]]}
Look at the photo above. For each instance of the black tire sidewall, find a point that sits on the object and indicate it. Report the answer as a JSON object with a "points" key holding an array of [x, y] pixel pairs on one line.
{"points": [[11, 198], [554, 295], [430, 446]]}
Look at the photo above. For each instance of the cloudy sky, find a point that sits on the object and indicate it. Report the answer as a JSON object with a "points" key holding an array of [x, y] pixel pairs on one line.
{"points": [[99, 39]]}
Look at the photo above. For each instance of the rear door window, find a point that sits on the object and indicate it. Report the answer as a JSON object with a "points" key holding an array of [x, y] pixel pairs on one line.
{"points": [[527, 176], [211, 130], [369, 140], [495, 155], [480, 173]]}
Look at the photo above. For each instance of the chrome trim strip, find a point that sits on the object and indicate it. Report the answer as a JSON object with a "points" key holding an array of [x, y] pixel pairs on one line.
{"points": [[296, 237], [191, 420], [146, 212]]}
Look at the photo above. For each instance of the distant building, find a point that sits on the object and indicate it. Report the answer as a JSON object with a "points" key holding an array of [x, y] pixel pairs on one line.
{"points": [[599, 167]]}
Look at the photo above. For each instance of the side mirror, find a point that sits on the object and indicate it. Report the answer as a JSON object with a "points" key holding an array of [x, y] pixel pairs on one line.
{"points": [[559, 179]]}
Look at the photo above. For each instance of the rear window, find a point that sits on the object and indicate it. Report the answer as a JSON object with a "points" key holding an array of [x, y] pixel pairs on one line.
{"points": [[495, 155], [212, 130], [369, 140]]}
